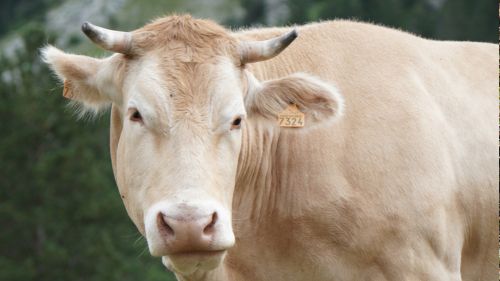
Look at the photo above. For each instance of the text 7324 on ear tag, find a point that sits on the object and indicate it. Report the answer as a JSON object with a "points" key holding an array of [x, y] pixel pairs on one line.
{"points": [[291, 117]]}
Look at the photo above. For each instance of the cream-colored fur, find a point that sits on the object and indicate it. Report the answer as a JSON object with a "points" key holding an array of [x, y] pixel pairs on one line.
{"points": [[396, 180]]}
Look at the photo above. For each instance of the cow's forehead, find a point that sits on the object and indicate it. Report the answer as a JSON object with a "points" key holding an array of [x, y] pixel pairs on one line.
{"points": [[171, 88]]}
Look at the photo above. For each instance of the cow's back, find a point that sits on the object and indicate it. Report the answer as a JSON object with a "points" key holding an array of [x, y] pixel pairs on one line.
{"points": [[408, 177]]}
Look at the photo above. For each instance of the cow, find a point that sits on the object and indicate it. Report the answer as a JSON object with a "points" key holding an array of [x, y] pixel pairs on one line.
{"points": [[390, 173]]}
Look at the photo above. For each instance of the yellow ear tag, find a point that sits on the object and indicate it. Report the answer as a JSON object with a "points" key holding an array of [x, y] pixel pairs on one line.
{"points": [[291, 117], [67, 91]]}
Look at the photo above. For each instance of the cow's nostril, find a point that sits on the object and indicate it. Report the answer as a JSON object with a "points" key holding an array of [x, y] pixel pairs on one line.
{"points": [[210, 226], [163, 225]]}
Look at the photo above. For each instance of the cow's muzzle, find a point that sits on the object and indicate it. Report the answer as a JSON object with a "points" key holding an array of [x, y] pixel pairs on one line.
{"points": [[197, 229]]}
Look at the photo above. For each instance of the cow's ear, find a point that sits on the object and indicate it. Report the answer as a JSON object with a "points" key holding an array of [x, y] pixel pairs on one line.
{"points": [[319, 100], [87, 81]]}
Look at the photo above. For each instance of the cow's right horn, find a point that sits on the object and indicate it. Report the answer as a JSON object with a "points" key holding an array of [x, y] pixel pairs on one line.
{"points": [[111, 40], [254, 51]]}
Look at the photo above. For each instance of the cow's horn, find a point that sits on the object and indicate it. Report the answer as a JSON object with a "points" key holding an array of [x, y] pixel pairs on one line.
{"points": [[111, 40], [253, 51]]}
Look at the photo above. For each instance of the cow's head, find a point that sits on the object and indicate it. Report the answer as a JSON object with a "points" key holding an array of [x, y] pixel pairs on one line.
{"points": [[182, 94]]}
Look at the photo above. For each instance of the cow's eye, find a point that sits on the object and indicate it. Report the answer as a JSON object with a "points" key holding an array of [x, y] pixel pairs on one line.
{"points": [[136, 116], [236, 123]]}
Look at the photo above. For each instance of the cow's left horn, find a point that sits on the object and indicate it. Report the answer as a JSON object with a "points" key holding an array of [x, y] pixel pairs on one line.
{"points": [[111, 40], [253, 51]]}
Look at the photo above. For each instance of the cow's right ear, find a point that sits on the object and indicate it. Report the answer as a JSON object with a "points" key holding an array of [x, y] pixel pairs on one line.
{"points": [[88, 81]]}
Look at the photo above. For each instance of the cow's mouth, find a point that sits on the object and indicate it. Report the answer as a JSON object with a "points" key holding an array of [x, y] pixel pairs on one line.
{"points": [[187, 263]]}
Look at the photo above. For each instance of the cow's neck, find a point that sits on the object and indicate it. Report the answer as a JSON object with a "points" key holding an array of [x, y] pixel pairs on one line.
{"points": [[253, 194]]}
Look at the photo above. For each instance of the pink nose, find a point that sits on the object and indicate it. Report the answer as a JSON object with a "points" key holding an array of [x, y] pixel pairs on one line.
{"points": [[187, 233]]}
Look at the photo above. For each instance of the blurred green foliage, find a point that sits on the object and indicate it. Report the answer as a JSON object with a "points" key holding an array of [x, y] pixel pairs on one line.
{"points": [[60, 212], [13, 13]]}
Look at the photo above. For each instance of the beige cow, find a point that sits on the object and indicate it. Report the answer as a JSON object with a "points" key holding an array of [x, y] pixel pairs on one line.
{"points": [[393, 177]]}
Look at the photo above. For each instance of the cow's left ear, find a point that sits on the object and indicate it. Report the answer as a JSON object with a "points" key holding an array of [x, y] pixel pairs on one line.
{"points": [[319, 100]]}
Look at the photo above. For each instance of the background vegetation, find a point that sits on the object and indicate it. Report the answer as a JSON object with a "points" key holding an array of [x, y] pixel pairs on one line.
{"points": [[60, 214]]}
